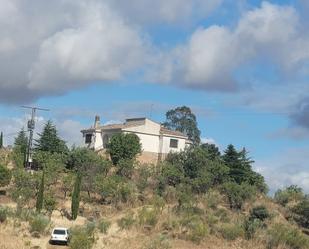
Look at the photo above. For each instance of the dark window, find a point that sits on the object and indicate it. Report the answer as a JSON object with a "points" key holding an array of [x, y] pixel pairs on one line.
{"points": [[173, 143], [88, 138], [60, 232], [105, 140]]}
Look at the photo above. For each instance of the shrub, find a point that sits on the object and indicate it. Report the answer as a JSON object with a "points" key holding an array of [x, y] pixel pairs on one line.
{"points": [[301, 213], [123, 146], [144, 172], [211, 199], [125, 167], [5, 176], [126, 222], [259, 212], [238, 194], [39, 223], [283, 235], [230, 231], [81, 238], [103, 225], [49, 203], [148, 216], [3, 214], [196, 228], [158, 202], [250, 227], [159, 242], [292, 192]]}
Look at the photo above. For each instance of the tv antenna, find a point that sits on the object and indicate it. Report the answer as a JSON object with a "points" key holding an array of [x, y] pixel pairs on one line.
{"points": [[31, 127]]}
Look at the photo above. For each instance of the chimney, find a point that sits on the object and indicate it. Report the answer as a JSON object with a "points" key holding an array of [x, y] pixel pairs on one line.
{"points": [[97, 121]]}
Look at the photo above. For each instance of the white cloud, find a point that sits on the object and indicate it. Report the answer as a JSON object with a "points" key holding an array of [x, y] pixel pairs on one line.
{"points": [[286, 168], [50, 48], [212, 55], [161, 11]]}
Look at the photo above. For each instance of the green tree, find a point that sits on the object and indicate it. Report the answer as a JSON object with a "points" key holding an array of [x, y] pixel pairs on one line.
{"points": [[1, 140], [182, 119], [238, 163], [50, 141], [40, 196], [76, 196], [124, 147], [89, 164], [20, 148], [5, 176], [212, 150]]}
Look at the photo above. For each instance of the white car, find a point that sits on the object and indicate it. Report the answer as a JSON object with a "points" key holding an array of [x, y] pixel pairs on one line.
{"points": [[60, 235]]}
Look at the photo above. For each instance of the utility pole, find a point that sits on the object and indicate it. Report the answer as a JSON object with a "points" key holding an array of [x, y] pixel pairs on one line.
{"points": [[31, 126]]}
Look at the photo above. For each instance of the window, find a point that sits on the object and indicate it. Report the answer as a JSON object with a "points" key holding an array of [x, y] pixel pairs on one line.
{"points": [[174, 143], [88, 138], [105, 140]]}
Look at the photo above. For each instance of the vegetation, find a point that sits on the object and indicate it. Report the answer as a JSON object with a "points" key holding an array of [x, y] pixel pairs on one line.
{"points": [[182, 119], [1, 140], [5, 176], [193, 195], [76, 196], [50, 141], [123, 147], [82, 238]]}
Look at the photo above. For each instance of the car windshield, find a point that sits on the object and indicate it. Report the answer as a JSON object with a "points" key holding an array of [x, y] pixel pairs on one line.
{"points": [[58, 231]]}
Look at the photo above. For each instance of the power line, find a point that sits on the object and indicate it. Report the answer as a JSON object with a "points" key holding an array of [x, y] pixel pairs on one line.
{"points": [[31, 127]]}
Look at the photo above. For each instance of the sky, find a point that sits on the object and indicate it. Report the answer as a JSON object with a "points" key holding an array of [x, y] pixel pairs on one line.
{"points": [[242, 66]]}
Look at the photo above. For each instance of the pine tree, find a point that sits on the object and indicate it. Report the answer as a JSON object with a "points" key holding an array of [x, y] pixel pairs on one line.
{"points": [[232, 159], [50, 141], [1, 140], [21, 142], [40, 197], [76, 196]]}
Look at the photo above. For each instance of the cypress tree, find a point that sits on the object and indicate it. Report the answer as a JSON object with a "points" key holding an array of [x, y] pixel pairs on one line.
{"points": [[76, 196], [40, 197], [1, 140]]}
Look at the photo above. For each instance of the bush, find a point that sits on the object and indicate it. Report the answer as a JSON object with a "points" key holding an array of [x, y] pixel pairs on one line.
{"points": [[39, 223], [3, 214], [212, 199], [103, 225], [159, 242], [126, 222], [124, 146], [144, 172], [301, 213], [260, 213], [148, 217], [81, 238], [238, 194], [125, 167], [291, 193], [196, 228], [250, 227], [231, 231], [283, 235], [5, 176]]}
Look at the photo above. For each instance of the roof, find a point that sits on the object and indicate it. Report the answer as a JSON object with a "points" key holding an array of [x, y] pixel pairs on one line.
{"points": [[132, 122], [166, 131]]}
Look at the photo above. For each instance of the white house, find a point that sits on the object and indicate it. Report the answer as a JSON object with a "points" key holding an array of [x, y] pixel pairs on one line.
{"points": [[156, 140]]}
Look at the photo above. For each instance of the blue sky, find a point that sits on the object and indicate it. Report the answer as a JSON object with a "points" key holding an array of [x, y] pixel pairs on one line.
{"points": [[242, 66]]}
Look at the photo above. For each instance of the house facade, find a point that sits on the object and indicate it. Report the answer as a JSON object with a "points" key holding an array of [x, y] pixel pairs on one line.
{"points": [[156, 140]]}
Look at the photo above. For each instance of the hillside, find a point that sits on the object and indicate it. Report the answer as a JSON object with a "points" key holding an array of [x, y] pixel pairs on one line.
{"points": [[187, 201]]}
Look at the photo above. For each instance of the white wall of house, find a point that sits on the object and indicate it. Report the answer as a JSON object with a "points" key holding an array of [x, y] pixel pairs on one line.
{"points": [[166, 144], [148, 133]]}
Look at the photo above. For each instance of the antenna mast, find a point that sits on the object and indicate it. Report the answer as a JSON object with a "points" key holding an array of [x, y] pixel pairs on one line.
{"points": [[31, 126]]}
